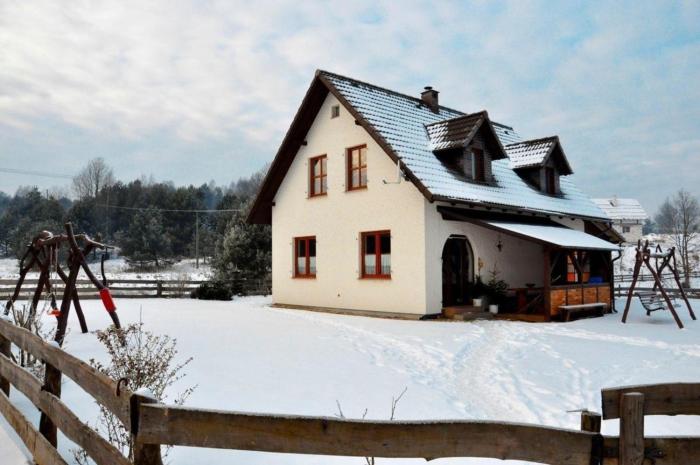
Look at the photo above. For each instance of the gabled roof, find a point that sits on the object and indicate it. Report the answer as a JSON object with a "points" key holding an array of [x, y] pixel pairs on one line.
{"points": [[458, 133], [622, 209], [535, 153], [397, 123]]}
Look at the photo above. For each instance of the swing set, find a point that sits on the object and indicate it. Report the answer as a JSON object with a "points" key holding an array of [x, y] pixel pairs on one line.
{"points": [[652, 300], [43, 253]]}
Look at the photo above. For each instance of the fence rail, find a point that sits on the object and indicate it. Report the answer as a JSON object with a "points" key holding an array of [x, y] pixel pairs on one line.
{"points": [[153, 424], [646, 276], [137, 288], [692, 293]]}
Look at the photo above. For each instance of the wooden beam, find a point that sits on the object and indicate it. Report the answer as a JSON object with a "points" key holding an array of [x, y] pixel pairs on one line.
{"points": [[97, 384], [659, 399], [547, 285], [160, 424], [101, 451], [631, 449], [42, 452]]}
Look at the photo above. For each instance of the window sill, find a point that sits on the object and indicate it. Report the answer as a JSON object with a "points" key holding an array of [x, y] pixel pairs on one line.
{"points": [[374, 277], [313, 196], [360, 188], [310, 276]]}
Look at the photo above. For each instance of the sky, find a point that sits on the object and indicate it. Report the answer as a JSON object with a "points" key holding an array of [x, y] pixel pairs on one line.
{"points": [[193, 91]]}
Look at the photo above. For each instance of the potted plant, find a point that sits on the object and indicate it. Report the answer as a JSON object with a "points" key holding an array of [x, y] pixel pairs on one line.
{"points": [[497, 289], [478, 290]]}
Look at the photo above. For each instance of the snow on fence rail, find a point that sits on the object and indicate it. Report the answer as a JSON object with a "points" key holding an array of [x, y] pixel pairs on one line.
{"points": [[153, 424], [138, 288]]}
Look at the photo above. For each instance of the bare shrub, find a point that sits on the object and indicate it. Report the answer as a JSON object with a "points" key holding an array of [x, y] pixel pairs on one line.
{"points": [[31, 319], [147, 361], [392, 416]]}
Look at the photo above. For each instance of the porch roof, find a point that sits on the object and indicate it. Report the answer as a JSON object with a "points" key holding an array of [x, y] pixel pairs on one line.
{"points": [[557, 236]]}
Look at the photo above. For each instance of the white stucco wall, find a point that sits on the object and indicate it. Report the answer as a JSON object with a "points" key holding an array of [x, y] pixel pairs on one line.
{"points": [[634, 234], [338, 218], [518, 262]]}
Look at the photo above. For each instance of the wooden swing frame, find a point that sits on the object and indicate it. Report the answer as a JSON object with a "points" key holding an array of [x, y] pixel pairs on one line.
{"points": [[42, 252], [668, 260]]}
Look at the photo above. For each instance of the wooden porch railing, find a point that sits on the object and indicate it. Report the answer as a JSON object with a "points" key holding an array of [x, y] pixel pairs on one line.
{"points": [[153, 424]]}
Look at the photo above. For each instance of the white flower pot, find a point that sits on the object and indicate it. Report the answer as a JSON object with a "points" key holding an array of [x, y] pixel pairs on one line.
{"points": [[476, 302], [493, 309]]}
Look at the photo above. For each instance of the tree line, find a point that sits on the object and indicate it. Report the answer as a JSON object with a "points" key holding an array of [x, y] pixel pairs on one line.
{"points": [[152, 223]]}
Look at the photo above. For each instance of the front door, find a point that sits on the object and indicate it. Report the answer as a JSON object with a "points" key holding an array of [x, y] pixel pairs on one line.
{"points": [[456, 271]]}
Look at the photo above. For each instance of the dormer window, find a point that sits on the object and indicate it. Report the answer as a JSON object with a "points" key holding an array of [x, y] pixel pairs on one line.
{"points": [[466, 145], [550, 181], [540, 163], [478, 165]]}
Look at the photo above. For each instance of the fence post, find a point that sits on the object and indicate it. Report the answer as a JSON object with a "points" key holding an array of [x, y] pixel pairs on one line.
{"points": [[590, 421], [52, 385], [159, 289], [631, 429], [144, 454], [5, 350]]}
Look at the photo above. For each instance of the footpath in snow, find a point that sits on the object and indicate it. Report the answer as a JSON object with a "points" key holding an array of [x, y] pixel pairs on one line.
{"points": [[250, 357]]}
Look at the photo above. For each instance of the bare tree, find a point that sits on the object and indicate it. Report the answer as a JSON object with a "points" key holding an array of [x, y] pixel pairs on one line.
{"points": [[96, 175], [679, 216]]}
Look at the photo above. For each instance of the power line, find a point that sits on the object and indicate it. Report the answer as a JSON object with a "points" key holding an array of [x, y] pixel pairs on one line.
{"points": [[36, 173], [119, 207]]}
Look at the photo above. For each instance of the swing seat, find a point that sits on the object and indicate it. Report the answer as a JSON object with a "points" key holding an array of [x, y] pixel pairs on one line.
{"points": [[55, 312], [650, 301]]}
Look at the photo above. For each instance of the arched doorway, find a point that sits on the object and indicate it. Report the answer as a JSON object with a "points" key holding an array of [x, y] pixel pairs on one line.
{"points": [[457, 271]]}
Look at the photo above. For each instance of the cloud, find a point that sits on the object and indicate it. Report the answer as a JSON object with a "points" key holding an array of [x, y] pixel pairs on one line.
{"points": [[615, 80]]}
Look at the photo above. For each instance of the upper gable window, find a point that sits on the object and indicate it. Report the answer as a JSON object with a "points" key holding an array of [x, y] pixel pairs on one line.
{"points": [[318, 184], [335, 111], [357, 167], [478, 165]]}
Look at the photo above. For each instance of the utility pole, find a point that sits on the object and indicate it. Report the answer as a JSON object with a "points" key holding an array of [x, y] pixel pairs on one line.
{"points": [[196, 240]]}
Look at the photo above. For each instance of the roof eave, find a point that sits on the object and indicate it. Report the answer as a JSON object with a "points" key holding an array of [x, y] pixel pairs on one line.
{"points": [[519, 210]]}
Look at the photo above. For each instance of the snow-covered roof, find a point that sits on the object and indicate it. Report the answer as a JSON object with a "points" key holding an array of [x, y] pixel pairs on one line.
{"points": [[529, 153], [401, 121], [622, 209], [555, 235]]}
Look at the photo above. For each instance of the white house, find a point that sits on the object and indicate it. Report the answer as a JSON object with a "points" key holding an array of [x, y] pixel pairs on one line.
{"points": [[627, 215], [384, 202]]}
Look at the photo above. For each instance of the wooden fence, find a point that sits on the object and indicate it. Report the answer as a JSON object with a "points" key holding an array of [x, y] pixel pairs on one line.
{"points": [[138, 288], [692, 293], [644, 275], [152, 424]]}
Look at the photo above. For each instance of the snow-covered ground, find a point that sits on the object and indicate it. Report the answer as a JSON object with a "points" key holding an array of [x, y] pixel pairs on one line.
{"points": [[251, 357], [117, 268]]}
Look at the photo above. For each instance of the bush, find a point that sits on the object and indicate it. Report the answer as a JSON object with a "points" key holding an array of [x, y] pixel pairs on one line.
{"points": [[215, 290], [147, 361]]}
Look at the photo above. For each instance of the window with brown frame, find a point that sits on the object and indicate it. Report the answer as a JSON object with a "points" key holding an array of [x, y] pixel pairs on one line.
{"points": [[478, 165], [318, 184], [550, 181], [357, 167], [376, 255], [335, 111], [305, 257]]}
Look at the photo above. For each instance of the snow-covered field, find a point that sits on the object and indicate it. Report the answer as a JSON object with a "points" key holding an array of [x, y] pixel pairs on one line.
{"points": [[117, 268], [251, 357]]}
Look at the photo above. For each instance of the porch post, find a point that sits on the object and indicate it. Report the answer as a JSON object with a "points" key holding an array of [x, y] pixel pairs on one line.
{"points": [[547, 283]]}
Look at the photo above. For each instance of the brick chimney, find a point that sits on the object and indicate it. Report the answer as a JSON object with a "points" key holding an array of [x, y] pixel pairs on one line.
{"points": [[430, 97]]}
